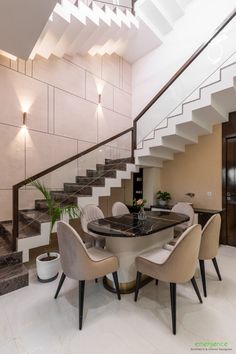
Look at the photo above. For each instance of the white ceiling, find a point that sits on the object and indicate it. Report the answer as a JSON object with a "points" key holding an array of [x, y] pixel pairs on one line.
{"points": [[21, 22]]}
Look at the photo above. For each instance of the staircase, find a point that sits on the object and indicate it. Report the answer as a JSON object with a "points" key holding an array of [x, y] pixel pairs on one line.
{"points": [[208, 105], [102, 28], [34, 225], [13, 274]]}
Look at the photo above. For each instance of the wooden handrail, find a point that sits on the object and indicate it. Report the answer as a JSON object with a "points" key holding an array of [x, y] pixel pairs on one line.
{"points": [[131, 7], [70, 159], [132, 129], [16, 187]]}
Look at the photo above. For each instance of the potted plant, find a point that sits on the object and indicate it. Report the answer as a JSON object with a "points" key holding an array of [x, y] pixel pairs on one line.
{"points": [[163, 198], [47, 264]]}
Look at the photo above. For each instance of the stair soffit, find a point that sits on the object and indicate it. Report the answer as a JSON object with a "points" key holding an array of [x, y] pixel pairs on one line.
{"points": [[15, 13]]}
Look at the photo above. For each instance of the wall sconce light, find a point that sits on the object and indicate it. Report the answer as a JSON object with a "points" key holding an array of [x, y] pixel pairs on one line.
{"points": [[99, 98], [24, 118]]}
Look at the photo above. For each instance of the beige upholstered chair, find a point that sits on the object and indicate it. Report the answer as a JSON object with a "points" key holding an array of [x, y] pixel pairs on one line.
{"points": [[89, 213], [177, 266], [82, 264], [182, 208], [209, 246], [186, 209], [119, 208]]}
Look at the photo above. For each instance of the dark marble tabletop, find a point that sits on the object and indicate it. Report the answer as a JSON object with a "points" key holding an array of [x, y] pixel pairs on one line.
{"points": [[129, 225]]}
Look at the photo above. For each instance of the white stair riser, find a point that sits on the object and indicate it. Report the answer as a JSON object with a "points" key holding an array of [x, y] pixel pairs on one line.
{"points": [[209, 105]]}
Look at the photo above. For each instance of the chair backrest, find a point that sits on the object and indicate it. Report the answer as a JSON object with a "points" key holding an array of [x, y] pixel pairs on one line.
{"points": [[119, 208], [210, 238], [181, 264], [89, 213], [75, 260], [184, 208]]}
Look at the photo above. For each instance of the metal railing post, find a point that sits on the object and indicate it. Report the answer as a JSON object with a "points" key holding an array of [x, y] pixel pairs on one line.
{"points": [[15, 219]]}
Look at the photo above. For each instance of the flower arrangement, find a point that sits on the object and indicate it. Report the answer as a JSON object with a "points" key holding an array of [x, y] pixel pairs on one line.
{"points": [[139, 203]]}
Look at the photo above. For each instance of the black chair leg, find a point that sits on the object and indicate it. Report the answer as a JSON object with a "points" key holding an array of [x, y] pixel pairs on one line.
{"points": [[138, 281], [81, 302], [216, 268], [202, 268], [156, 281], [115, 278], [96, 280], [62, 279], [173, 306], [193, 281]]}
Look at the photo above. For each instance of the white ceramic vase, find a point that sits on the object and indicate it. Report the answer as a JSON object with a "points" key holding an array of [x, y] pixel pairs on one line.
{"points": [[48, 270]]}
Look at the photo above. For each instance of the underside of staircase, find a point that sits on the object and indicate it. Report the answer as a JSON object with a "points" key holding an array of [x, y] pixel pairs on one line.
{"points": [[34, 225], [89, 27], [208, 105]]}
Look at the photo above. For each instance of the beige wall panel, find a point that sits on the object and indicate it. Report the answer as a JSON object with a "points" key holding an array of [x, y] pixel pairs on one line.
{"points": [[122, 102], [51, 109], [92, 64], [14, 65], [22, 66], [127, 76], [12, 162], [103, 205], [128, 191], [75, 117], [117, 195], [57, 110], [107, 96], [111, 123], [28, 67], [94, 86], [20, 93], [43, 151], [4, 61], [151, 184], [111, 69], [198, 170], [60, 73], [5, 205], [83, 145]]}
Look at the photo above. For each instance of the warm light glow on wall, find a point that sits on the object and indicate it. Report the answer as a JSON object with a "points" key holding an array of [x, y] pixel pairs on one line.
{"points": [[25, 105], [99, 85]]}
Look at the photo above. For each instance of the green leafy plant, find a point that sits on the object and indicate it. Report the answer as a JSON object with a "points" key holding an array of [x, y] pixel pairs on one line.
{"points": [[55, 209], [165, 196]]}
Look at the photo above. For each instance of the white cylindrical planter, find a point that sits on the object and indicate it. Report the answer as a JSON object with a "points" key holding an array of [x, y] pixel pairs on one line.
{"points": [[47, 270]]}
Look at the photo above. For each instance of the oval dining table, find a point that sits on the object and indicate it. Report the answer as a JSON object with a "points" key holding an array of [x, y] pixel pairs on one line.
{"points": [[127, 237]]}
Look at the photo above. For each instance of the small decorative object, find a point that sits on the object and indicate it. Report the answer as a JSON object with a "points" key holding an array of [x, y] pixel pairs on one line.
{"points": [[191, 196], [139, 205], [47, 264], [163, 198]]}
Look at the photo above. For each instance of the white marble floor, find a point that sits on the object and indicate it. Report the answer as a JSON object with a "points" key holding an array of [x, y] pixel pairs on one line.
{"points": [[33, 322]]}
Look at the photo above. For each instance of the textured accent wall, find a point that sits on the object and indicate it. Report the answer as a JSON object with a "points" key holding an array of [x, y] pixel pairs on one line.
{"points": [[61, 96], [197, 170]]}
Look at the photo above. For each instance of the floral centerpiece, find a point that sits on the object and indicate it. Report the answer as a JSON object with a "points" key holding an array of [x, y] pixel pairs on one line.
{"points": [[139, 206]]}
